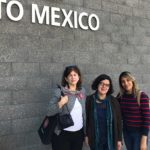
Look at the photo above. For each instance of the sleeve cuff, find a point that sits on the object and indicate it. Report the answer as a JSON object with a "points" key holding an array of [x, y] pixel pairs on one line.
{"points": [[145, 132]]}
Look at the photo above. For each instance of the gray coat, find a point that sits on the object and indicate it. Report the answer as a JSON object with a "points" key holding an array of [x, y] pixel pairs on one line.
{"points": [[53, 107]]}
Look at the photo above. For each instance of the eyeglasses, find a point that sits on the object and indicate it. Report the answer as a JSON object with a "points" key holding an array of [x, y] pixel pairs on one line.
{"points": [[103, 84]]}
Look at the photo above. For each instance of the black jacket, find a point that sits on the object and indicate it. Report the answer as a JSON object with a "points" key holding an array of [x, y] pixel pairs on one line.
{"points": [[116, 120]]}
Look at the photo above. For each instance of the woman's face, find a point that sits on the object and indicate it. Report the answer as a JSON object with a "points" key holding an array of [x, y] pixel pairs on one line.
{"points": [[103, 87], [127, 84], [72, 78]]}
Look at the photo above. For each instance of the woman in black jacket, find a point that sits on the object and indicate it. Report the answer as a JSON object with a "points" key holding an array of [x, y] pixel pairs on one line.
{"points": [[103, 123]]}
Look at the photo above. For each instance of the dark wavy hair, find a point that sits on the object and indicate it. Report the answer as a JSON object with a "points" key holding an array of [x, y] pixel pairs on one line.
{"points": [[67, 71], [100, 78]]}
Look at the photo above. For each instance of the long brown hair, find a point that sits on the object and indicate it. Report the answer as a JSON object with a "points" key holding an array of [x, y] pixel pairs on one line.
{"points": [[129, 76]]}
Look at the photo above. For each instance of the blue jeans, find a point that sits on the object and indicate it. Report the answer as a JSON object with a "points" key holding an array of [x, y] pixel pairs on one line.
{"points": [[132, 139]]}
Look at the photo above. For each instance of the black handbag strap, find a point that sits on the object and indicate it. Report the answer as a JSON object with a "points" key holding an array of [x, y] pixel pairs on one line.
{"points": [[62, 94]]}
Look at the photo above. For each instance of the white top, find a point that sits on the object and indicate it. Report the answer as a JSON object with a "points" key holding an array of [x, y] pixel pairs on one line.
{"points": [[76, 114]]}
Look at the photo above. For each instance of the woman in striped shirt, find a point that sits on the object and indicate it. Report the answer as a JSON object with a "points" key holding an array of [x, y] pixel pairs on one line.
{"points": [[136, 117]]}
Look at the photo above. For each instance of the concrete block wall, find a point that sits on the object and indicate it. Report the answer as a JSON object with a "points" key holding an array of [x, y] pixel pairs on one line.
{"points": [[33, 56]]}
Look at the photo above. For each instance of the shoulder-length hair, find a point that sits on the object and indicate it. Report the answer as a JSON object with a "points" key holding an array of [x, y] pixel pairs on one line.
{"points": [[130, 77], [100, 78], [67, 71]]}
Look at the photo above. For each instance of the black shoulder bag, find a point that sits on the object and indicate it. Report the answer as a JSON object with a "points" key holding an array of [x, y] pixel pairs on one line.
{"points": [[65, 120], [49, 123], [47, 128]]}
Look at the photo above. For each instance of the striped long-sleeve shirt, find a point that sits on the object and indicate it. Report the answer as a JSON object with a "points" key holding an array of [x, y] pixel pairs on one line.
{"points": [[135, 117]]}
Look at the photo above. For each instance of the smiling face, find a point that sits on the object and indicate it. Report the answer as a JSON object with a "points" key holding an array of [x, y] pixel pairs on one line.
{"points": [[72, 79], [103, 87], [127, 84]]}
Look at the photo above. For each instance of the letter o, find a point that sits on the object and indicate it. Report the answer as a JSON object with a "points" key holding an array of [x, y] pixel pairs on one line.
{"points": [[9, 14], [97, 22]]}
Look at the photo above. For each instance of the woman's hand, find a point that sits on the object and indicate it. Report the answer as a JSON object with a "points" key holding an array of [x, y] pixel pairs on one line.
{"points": [[143, 145], [119, 145], [63, 101], [86, 141]]}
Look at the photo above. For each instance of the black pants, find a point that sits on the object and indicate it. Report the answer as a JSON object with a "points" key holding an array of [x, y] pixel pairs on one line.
{"points": [[68, 140], [103, 147]]}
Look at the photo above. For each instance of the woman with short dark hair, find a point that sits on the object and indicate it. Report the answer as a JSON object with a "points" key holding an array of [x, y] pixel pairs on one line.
{"points": [[103, 123], [72, 137]]}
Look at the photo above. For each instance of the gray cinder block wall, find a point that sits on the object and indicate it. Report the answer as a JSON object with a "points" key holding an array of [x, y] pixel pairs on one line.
{"points": [[32, 58]]}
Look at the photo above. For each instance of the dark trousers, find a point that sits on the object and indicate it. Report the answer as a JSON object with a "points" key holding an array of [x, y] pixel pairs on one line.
{"points": [[68, 140], [103, 147], [132, 139]]}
